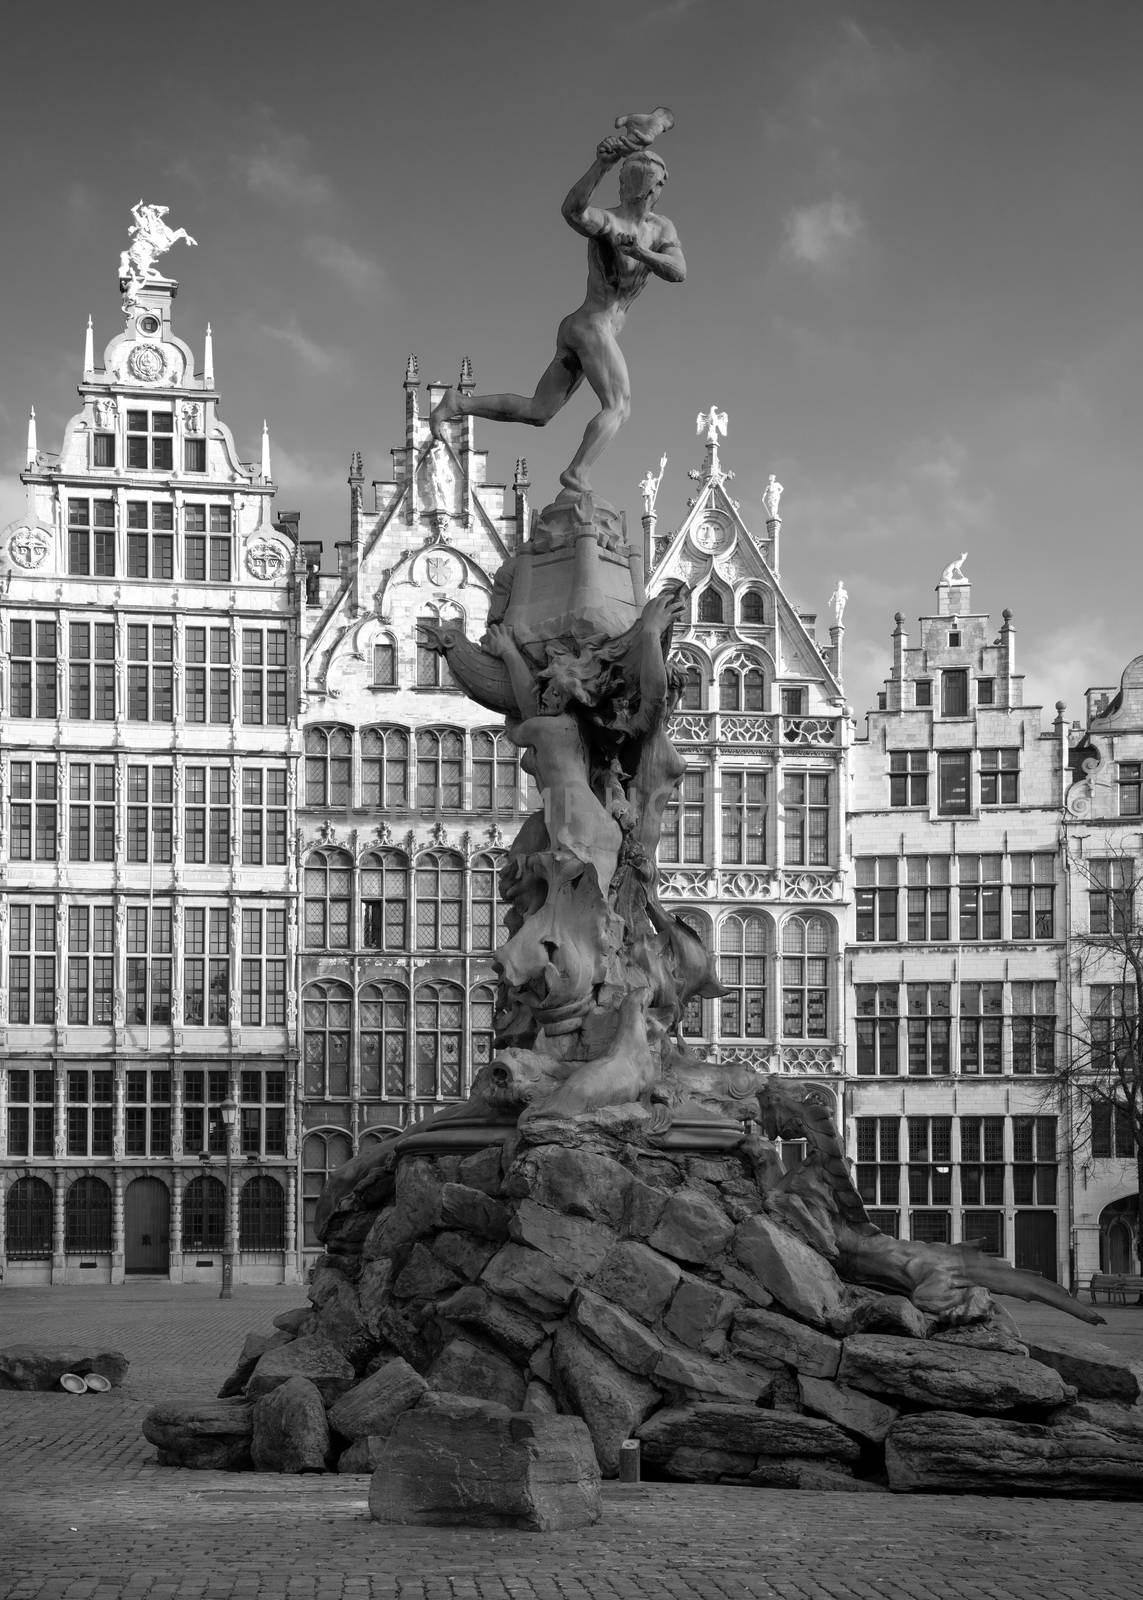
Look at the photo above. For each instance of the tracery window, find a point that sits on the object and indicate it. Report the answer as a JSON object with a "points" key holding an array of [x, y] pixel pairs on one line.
{"points": [[805, 978], [328, 883], [742, 685], [440, 769], [742, 968], [439, 1023], [710, 608], [327, 1009], [329, 767], [495, 772], [488, 911], [384, 900], [482, 1008], [440, 900], [322, 1153], [384, 767], [385, 663], [690, 697], [754, 607], [383, 1020]]}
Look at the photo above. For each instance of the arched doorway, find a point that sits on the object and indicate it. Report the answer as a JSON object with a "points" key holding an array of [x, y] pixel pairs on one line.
{"points": [[1118, 1236], [146, 1227]]}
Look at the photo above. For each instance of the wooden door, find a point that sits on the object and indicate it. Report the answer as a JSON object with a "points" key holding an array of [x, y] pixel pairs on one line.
{"points": [[147, 1226]]}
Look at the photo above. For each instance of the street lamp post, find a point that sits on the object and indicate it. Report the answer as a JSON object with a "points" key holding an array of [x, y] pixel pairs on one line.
{"points": [[229, 1113]]}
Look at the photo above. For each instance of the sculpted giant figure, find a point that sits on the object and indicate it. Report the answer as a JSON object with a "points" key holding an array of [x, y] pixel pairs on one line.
{"points": [[626, 244]]}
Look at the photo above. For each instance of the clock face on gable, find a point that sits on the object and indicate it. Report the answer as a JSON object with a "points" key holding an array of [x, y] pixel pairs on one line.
{"points": [[711, 535]]}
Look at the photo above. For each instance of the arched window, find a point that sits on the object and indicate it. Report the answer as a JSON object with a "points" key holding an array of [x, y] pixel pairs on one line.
{"points": [[322, 1153], [384, 768], [805, 978], [204, 1214], [710, 607], [488, 912], [329, 766], [440, 1023], [742, 685], [385, 663], [742, 968], [87, 1216], [28, 1217], [327, 1008], [329, 893], [482, 1006], [432, 668], [691, 1021], [440, 900], [754, 607], [383, 1020], [384, 900], [495, 772], [262, 1214], [440, 769], [691, 697]]}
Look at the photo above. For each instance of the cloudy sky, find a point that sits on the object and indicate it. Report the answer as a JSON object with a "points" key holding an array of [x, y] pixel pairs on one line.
{"points": [[913, 228]]}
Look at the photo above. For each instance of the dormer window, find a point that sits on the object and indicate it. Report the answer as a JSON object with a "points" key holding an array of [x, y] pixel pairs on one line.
{"points": [[794, 702], [710, 605], [103, 450], [986, 691], [753, 607], [954, 639], [923, 692]]}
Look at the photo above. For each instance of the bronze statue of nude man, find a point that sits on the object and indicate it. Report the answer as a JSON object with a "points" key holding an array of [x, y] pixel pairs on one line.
{"points": [[625, 245]]}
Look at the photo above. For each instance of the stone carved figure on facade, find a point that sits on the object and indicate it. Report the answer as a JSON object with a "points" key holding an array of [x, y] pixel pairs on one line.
{"points": [[953, 572], [772, 498], [650, 485], [192, 417], [626, 244], [838, 599], [106, 412], [150, 238]]}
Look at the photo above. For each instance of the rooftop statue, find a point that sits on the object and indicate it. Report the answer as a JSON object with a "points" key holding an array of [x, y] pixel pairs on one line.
{"points": [[150, 238], [626, 244], [953, 573]]}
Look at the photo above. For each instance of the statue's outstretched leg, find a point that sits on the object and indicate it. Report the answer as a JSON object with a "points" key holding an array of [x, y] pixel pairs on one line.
{"points": [[561, 379]]}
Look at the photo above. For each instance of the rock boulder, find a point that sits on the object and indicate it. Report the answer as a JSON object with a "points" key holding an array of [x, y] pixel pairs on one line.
{"points": [[210, 1435], [41, 1366], [291, 1433], [459, 1462]]}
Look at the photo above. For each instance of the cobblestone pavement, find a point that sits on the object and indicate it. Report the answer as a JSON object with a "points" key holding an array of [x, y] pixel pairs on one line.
{"points": [[85, 1515]]}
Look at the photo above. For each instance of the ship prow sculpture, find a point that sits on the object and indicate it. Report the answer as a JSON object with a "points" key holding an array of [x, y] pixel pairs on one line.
{"points": [[605, 1230]]}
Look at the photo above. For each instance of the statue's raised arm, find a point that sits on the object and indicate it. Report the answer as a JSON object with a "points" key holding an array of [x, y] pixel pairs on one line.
{"points": [[627, 243]]}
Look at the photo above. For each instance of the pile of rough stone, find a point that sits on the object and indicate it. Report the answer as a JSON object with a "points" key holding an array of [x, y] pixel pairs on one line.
{"points": [[652, 1295]]}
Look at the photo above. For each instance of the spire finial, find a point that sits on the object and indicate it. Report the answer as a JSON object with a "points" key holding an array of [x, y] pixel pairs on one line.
{"points": [[266, 473], [33, 449], [89, 351], [712, 423], [208, 359], [521, 480], [412, 371], [467, 381]]}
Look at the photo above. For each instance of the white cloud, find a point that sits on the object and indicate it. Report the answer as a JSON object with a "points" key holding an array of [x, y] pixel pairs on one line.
{"points": [[822, 235], [357, 273], [318, 357], [296, 473], [278, 167]]}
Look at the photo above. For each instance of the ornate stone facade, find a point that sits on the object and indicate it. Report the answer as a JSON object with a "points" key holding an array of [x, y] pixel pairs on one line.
{"points": [[148, 686]]}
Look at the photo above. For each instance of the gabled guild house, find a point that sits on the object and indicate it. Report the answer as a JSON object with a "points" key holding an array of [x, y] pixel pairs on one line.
{"points": [[148, 686], [956, 964]]}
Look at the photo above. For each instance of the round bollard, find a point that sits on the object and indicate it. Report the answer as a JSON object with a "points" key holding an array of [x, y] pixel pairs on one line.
{"points": [[629, 1454]]}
